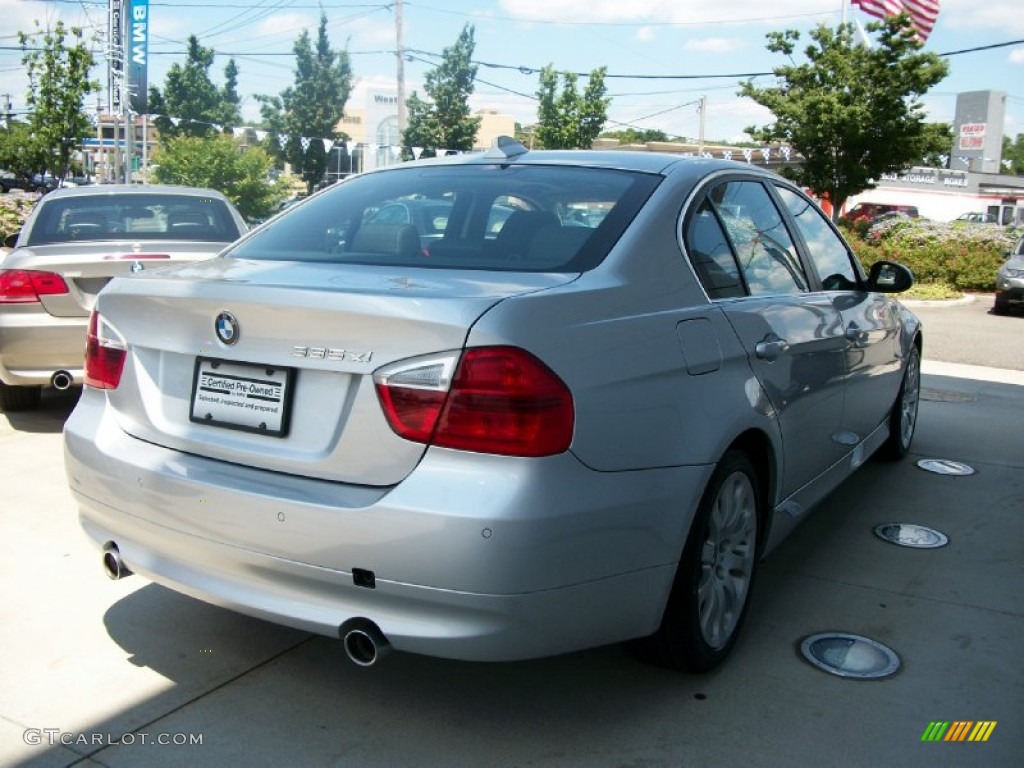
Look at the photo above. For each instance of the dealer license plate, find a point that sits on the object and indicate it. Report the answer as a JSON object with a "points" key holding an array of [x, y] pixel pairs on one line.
{"points": [[253, 398]]}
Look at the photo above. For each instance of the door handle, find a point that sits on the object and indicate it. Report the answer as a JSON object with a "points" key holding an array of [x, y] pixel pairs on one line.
{"points": [[770, 348], [855, 334]]}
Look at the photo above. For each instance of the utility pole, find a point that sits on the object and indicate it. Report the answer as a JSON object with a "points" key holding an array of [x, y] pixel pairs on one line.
{"points": [[100, 149], [115, 73], [400, 56], [703, 110]]}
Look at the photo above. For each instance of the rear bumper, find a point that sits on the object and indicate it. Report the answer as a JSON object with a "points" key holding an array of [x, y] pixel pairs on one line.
{"points": [[34, 345], [474, 557]]}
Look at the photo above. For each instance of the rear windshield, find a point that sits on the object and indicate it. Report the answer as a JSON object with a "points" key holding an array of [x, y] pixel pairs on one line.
{"points": [[137, 216], [493, 217]]}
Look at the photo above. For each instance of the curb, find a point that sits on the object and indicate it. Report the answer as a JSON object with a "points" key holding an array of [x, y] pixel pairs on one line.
{"points": [[962, 301]]}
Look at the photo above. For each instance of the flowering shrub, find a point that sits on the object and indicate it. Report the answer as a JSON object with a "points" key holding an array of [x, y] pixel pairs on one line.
{"points": [[14, 209], [965, 256]]}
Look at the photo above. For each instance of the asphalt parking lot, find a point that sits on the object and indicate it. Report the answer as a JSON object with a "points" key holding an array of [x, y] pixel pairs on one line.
{"points": [[128, 673]]}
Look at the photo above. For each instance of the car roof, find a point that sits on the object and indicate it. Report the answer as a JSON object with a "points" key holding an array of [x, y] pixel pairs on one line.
{"points": [[644, 162], [99, 190]]}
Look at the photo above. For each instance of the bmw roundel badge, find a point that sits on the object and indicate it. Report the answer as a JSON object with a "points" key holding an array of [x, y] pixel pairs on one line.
{"points": [[226, 327]]}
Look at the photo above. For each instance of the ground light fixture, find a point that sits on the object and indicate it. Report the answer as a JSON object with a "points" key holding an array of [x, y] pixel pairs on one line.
{"points": [[850, 656], [945, 467], [911, 535]]}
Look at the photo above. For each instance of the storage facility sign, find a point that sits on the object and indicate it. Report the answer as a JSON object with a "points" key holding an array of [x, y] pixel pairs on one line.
{"points": [[972, 136]]}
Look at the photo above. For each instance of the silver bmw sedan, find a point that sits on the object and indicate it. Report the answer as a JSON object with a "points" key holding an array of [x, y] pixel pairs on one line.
{"points": [[579, 411]]}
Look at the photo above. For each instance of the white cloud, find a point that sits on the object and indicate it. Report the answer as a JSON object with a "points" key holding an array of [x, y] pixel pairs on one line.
{"points": [[997, 15], [1017, 56], [713, 45], [288, 25], [690, 12], [645, 34], [1004, 16]]}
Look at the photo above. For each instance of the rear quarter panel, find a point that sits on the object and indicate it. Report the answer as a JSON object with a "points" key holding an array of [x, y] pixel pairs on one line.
{"points": [[657, 374]]}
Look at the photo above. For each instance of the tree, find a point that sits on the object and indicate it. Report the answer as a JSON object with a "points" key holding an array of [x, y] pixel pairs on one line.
{"points": [[219, 163], [635, 136], [20, 152], [570, 120], [308, 112], [938, 141], [445, 121], [58, 77], [1013, 154], [190, 104], [851, 110]]}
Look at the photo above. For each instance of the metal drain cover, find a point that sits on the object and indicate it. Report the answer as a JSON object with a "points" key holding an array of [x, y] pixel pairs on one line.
{"points": [[910, 535], [945, 467], [853, 656]]}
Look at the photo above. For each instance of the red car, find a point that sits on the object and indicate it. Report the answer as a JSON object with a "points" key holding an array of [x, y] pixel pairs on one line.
{"points": [[870, 211]]}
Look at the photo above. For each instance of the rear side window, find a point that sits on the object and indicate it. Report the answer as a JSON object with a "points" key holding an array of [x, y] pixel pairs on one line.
{"points": [[115, 216], [712, 256], [751, 230], [493, 217]]}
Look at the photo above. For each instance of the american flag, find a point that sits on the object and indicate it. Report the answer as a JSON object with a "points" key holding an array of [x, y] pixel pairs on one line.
{"points": [[922, 12]]}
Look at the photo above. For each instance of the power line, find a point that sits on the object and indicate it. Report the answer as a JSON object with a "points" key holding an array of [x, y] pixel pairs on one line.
{"points": [[652, 22]]}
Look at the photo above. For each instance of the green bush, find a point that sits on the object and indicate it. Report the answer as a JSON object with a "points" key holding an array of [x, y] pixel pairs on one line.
{"points": [[14, 209], [964, 256]]}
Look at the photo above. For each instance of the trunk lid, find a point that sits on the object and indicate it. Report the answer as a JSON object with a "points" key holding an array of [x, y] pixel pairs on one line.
{"points": [[307, 335], [88, 267]]}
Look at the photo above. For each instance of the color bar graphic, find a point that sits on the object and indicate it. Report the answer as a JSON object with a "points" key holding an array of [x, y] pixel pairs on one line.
{"points": [[958, 730]]}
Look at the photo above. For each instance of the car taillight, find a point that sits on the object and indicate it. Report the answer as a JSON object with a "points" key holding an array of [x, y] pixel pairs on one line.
{"points": [[500, 400], [105, 352], [25, 286]]}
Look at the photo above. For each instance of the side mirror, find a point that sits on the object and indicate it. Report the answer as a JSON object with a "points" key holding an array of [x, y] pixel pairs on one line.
{"points": [[11, 240], [889, 277]]}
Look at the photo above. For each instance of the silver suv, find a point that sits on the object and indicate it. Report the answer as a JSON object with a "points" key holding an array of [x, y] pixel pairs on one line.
{"points": [[1010, 281]]}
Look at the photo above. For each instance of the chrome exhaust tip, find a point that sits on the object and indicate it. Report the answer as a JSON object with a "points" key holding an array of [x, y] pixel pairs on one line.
{"points": [[364, 643], [113, 566], [62, 380]]}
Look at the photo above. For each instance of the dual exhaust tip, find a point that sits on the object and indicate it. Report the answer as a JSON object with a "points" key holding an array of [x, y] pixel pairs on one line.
{"points": [[113, 565], [363, 641], [62, 380]]}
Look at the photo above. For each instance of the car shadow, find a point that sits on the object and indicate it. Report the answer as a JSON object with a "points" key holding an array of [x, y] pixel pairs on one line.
{"points": [[49, 417], [233, 672]]}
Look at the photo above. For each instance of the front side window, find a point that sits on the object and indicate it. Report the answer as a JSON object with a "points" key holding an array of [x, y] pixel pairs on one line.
{"points": [[826, 250], [764, 250], [473, 216]]}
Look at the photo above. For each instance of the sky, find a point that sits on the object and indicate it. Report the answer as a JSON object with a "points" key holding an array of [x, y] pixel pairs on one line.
{"points": [[661, 56]]}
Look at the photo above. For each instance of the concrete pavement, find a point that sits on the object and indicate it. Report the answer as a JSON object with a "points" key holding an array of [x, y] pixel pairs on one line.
{"points": [[99, 673]]}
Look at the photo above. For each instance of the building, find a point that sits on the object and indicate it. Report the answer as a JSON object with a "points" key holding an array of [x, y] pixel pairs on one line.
{"points": [[972, 182], [943, 195], [103, 155], [375, 140]]}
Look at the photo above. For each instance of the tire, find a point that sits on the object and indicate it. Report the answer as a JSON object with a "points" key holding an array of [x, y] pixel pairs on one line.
{"points": [[1001, 306], [903, 416], [713, 583], [18, 398]]}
